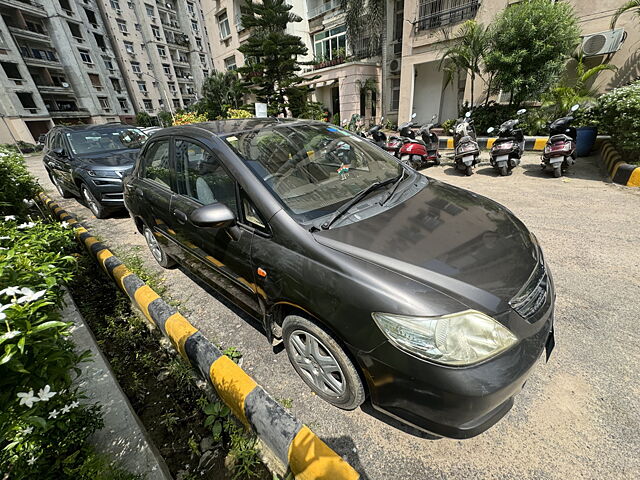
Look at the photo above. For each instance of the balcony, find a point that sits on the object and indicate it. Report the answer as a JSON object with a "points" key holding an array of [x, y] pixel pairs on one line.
{"points": [[323, 8], [39, 60], [438, 13], [57, 89], [30, 6], [31, 34], [171, 25]]}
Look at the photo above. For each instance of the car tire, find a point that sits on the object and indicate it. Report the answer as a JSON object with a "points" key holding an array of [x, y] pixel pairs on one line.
{"points": [[322, 363], [91, 202], [157, 252], [64, 193]]}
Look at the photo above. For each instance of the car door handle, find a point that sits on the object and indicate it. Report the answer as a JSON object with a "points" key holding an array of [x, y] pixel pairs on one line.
{"points": [[180, 215], [139, 192]]}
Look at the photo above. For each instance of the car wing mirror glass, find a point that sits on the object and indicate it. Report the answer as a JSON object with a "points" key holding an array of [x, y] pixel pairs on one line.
{"points": [[215, 215]]}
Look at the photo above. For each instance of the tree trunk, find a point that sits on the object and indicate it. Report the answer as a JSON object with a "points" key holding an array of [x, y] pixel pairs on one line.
{"points": [[486, 102], [473, 82]]}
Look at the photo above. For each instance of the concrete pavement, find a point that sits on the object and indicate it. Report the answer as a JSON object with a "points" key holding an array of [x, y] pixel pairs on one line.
{"points": [[578, 415]]}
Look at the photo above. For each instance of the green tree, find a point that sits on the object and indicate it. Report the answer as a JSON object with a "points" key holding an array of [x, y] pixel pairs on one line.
{"points": [[467, 54], [530, 43], [626, 7], [220, 91], [143, 119], [271, 54], [165, 118]]}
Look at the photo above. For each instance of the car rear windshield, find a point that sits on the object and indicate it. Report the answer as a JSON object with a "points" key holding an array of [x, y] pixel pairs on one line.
{"points": [[313, 168], [86, 142]]}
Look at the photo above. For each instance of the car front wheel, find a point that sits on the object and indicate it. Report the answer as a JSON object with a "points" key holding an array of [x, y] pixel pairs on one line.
{"points": [[92, 203], [322, 363]]}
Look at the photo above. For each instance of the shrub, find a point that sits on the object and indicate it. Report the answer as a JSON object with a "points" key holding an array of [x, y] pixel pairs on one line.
{"points": [[143, 119], [237, 113], [15, 184], [189, 117], [619, 112], [314, 111]]}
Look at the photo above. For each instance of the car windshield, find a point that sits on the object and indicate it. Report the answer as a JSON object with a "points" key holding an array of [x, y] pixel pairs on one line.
{"points": [[313, 168], [86, 142]]}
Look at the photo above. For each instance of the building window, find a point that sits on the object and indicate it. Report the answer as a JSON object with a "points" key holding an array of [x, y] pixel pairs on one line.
{"points": [[176, 103], [135, 67], [11, 70], [230, 63], [104, 103], [440, 13], [142, 86], [330, 44], [100, 41], [128, 46], [95, 80], [162, 51], [74, 28], [91, 16], [138, 27], [122, 26], [190, 8], [395, 94], [114, 4], [123, 103], [149, 9], [223, 25], [199, 43], [64, 4], [109, 64], [84, 55], [374, 101], [115, 83], [156, 32], [148, 104], [166, 68], [172, 87], [194, 26], [26, 99]]}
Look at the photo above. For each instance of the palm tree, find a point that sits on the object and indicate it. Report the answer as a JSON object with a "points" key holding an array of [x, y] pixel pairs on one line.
{"points": [[466, 54], [627, 6], [365, 20]]}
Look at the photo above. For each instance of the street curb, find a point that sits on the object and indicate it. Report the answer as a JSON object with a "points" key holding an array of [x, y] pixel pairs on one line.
{"points": [[291, 442], [620, 171], [530, 143]]}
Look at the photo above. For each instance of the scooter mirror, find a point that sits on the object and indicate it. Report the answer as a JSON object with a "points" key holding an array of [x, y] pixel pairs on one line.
{"points": [[413, 115], [468, 114], [490, 129], [575, 107], [381, 119], [451, 130], [521, 111]]}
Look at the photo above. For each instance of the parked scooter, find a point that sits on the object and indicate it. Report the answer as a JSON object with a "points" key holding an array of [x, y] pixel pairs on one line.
{"points": [[405, 131], [560, 150], [431, 141], [507, 150], [376, 135], [466, 150]]}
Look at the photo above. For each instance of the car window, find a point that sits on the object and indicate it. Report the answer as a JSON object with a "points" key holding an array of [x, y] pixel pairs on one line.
{"points": [[202, 176], [251, 214], [54, 142], [86, 142], [155, 163]]}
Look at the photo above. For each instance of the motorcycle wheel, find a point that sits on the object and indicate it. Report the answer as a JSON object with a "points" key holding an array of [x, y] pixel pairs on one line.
{"points": [[437, 161], [557, 171], [504, 171], [468, 171]]}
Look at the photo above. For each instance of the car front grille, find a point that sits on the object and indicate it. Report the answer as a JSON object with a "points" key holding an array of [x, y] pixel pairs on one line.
{"points": [[533, 295]]}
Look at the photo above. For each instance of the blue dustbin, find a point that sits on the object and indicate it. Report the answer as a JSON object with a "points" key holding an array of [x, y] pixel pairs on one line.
{"points": [[585, 139]]}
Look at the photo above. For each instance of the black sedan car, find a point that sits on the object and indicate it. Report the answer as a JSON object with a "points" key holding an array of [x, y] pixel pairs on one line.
{"points": [[90, 161], [433, 301]]}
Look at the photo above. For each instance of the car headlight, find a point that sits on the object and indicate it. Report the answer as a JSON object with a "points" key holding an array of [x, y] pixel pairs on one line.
{"points": [[458, 339]]}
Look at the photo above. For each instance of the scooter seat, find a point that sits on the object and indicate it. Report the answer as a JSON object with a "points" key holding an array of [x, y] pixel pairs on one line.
{"points": [[561, 137]]}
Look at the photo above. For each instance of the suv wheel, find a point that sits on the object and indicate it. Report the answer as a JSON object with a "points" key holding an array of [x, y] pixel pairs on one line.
{"points": [[56, 183], [322, 363], [98, 210], [156, 249]]}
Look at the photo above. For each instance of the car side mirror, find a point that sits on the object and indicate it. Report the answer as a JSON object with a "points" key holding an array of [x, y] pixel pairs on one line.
{"points": [[59, 151], [215, 215]]}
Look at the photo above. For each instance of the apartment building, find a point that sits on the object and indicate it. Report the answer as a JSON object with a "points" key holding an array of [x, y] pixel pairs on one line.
{"points": [[415, 83], [55, 67], [162, 48]]}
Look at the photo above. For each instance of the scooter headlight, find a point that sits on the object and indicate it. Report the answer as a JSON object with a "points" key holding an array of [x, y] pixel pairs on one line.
{"points": [[458, 339]]}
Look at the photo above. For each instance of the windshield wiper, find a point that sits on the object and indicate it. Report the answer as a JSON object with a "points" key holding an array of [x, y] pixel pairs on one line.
{"points": [[359, 196], [395, 187]]}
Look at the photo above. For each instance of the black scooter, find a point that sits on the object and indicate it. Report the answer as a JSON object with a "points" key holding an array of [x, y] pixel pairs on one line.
{"points": [[506, 151], [431, 142], [376, 135], [466, 149], [560, 151]]}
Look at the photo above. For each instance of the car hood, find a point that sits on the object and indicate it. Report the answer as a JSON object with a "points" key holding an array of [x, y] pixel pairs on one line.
{"points": [[453, 240], [124, 158]]}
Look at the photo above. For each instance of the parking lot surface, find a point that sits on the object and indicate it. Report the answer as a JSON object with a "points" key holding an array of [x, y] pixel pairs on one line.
{"points": [[578, 415]]}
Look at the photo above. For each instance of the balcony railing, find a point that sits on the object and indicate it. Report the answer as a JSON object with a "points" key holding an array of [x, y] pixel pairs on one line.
{"points": [[323, 8], [30, 6], [441, 13]]}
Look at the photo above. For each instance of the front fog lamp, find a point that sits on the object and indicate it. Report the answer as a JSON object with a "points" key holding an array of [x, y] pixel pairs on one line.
{"points": [[459, 339]]}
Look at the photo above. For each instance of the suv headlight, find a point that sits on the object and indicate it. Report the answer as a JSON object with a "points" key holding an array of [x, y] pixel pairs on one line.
{"points": [[458, 339]]}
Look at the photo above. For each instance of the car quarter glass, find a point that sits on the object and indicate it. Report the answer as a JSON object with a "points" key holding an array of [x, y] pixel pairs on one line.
{"points": [[155, 163]]}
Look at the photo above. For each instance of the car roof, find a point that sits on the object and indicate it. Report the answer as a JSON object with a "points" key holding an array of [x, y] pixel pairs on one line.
{"points": [[231, 126], [96, 128]]}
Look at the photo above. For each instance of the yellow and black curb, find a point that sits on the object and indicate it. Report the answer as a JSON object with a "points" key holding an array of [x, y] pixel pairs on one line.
{"points": [[530, 143], [298, 449], [620, 171]]}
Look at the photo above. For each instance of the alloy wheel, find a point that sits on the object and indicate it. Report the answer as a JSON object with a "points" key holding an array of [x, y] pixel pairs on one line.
{"points": [[317, 363], [56, 183], [91, 201]]}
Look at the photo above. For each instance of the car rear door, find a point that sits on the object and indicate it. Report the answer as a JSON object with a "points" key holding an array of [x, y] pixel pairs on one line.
{"points": [[220, 256], [59, 163]]}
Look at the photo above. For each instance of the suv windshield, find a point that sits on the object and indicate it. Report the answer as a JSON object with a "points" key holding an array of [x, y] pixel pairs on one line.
{"points": [[313, 168], [86, 142]]}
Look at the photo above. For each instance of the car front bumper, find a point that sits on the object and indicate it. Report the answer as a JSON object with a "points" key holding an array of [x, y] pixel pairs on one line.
{"points": [[456, 402], [108, 191]]}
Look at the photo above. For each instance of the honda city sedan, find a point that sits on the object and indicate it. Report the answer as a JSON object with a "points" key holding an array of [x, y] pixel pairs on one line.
{"points": [[432, 301]]}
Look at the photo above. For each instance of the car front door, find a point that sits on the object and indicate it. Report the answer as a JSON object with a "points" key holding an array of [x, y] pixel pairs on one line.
{"points": [[220, 256]]}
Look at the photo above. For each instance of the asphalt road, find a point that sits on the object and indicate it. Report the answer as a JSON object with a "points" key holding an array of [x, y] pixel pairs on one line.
{"points": [[577, 417]]}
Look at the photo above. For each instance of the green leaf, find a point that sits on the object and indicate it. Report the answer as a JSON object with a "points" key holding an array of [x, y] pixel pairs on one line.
{"points": [[39, 421], [210, 419], [21, 343], [48, 325], [211, 409], [216, 430]]}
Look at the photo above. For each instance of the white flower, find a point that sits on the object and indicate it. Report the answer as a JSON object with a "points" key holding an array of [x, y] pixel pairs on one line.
{"points": [[27, 398], [31, 460], [45, 393], [11, 333], [73, 404], [64, 224], [5, 238], [11, 291], [54, 413], [4, 248], [27, 431], [22, 226], [30, 203], [9, 217], [2, 316], [65, 409], [30, 295]]}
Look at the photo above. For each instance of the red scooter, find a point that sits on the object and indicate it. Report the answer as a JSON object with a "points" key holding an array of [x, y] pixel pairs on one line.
{"points": [[420, 154]]}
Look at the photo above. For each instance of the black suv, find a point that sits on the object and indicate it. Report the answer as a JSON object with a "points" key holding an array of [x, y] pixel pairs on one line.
{"points": [[434, 301], [90, 161]]}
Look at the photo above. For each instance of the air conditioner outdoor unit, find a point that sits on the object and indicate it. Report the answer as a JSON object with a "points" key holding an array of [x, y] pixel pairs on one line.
{"points": [[602, 43], [394, 65]]}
